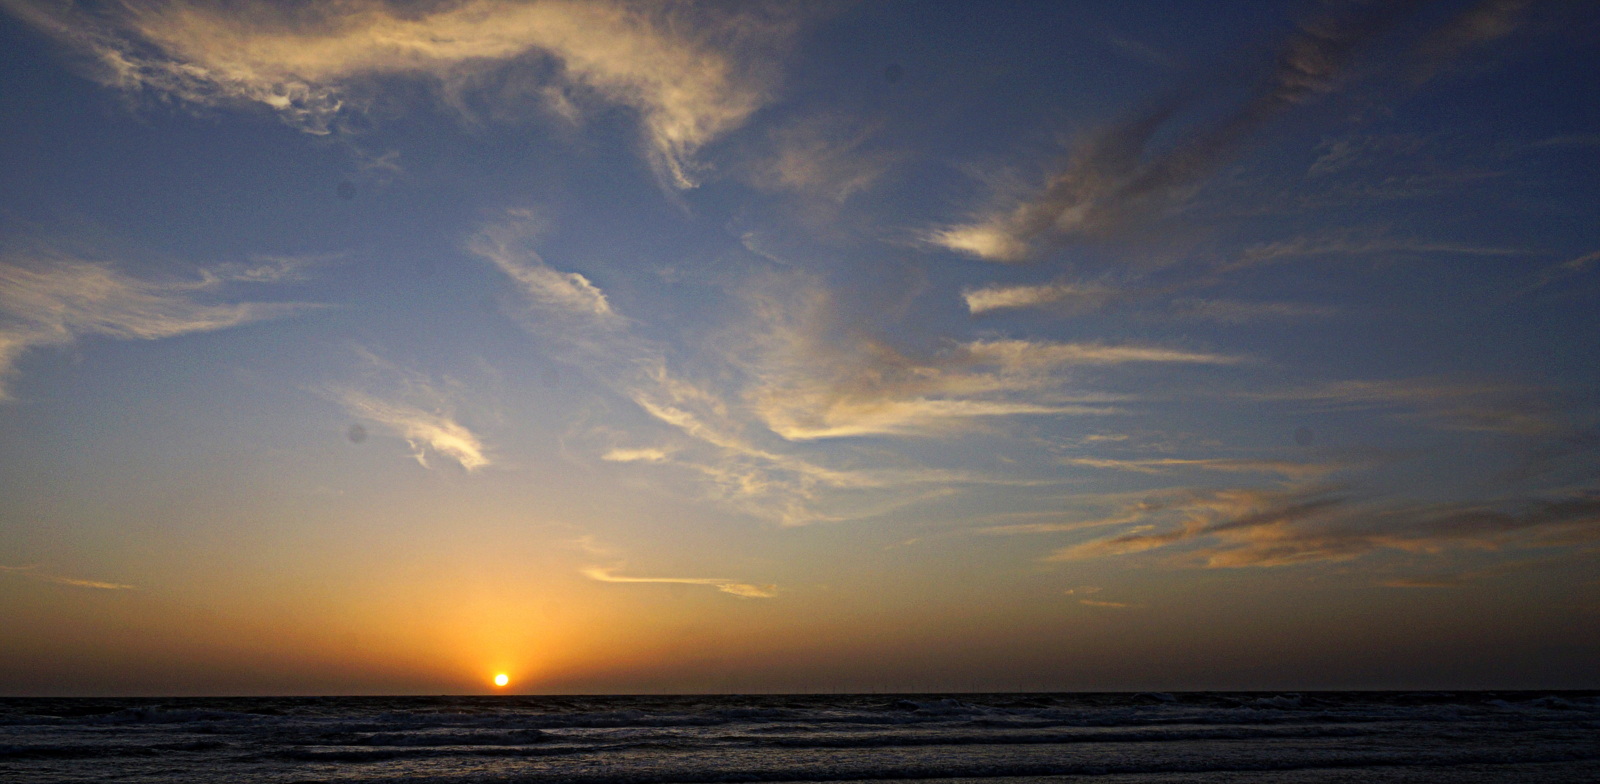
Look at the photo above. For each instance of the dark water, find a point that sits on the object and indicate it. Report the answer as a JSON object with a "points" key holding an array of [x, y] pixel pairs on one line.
{"points": [[1201, 737]]}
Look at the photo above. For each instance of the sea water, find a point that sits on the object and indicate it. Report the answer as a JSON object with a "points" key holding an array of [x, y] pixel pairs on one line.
{"points": [[1231, 738]]}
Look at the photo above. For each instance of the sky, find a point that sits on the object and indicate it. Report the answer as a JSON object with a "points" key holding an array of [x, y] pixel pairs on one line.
{"points": [[381, 347]]}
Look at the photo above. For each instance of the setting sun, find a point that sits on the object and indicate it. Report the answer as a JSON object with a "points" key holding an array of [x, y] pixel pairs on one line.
{"points": [[501, 679]]}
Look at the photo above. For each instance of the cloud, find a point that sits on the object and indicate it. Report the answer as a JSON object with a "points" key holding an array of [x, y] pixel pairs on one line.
{"points": [[1346, 244], [1109, 605], [1484, 21], [743, 590], [1567, 269], [1280, 527], [645, 455], [31, 572], [415, 410], [731, 437], [1239, 466], [49, 298], [509, 247], [1448, 406], [720, 451], [812, 381], [827, 156], [691, 73], [1119, 173], [1072, 296], [1228, 311]]}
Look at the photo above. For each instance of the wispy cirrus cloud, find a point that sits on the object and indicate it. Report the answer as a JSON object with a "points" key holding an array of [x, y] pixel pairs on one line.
{"points": [[733, 437], [1229, 311], [53, 299], [742, 590], [1491, 408], [1359, 245], [509, 246], [690, 73], [827, 156], [1072, 297], [811, 382], [1566, 269], [1270, 527], [1479, 24], [414, 408], [1226, 465], [1121, 172], [32, 572]]}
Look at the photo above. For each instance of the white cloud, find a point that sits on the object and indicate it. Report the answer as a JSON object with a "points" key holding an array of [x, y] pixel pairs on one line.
{"points": [[996, 297], [52, 299], [827, 156], [744, 590], [426, 431], [639, 455], [690, 73], [415, 409], [810, 381], [508, 246]]}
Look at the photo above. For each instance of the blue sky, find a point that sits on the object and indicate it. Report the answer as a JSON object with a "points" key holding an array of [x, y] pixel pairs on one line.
{"points": [[381, 347]]}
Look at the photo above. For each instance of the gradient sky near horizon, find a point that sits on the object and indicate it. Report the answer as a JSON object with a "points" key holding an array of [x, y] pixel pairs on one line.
{"points": [[381, 347]]}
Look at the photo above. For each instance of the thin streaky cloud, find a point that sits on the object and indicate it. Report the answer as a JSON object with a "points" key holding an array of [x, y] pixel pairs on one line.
{"points": [[50, 299], [813, 381], [826, 156], [1440, 404], [743, 590], [1227, 311], [1071, 296], [1566, 269], [32, 572], [1253, 527], [508, 246], [1228, 465], [1347, 245], [1118, 175]]}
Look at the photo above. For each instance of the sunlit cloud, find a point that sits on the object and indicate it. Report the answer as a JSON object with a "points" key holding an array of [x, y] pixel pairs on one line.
{"points": [[743, 590], [1141, 167], [32, 572], [1227, 465], [826, 156], [813, 383], [644, 455], [1567, 269], [415, 409], [51, 299], [1282, 527], [691, 74], [509, 246], [1070, 296]]}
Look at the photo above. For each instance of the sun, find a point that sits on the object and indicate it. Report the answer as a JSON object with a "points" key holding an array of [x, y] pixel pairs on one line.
{"points": [[501, 679]]}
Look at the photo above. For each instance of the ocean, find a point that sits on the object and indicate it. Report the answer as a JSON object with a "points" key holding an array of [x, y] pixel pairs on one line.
{"points": [[1212, 737]]}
